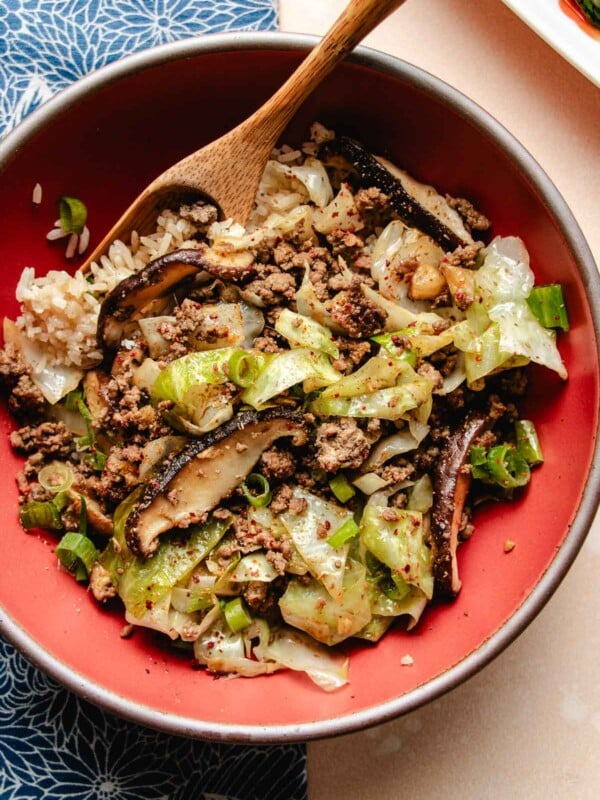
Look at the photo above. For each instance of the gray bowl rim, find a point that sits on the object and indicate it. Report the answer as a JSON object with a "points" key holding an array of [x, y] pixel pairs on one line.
{"points": [[534, 602]]}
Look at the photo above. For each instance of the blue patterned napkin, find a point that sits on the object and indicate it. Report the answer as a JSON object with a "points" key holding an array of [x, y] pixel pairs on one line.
{"points": [[52, 744]]}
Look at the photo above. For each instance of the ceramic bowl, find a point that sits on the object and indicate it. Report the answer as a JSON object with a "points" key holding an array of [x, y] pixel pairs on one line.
{"points": [[103, 140]]}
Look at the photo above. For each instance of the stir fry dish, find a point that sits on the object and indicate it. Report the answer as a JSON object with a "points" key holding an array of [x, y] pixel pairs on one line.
{"points": [[264, 441]]}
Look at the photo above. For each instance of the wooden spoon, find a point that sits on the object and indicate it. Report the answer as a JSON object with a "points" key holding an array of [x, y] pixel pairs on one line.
{"points": [[228, 170]]}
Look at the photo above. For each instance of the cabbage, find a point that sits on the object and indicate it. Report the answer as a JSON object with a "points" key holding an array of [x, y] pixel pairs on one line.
{"points": [[395, 445], [191, 372], [281, 371], [387, 402], [254, 567], [161, 617], [412, 604], [399, 543], [500, 330], [421, 495], [309, 305], [220, 650], [294, 650], [341, 213], [314, 177], [399, 317], [142, 583], [55, 381], [296, 222], [309, 607], [326, 563], [422, 340], [157, 344], [301, 331]]}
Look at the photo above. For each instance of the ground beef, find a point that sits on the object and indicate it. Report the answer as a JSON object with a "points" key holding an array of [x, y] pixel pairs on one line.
{"points": [[277, 464], [120, 474], [373, 209], [359, 317], [101, 583], [281, 500], [259, 597], [464, 256], [12, 367], [26, 401], [352, 354], [200, 214], [341, 444], [428, 371], [395, 471], [269, 342], [272, 289], [475, 220], [48, 438], [345, 244]]}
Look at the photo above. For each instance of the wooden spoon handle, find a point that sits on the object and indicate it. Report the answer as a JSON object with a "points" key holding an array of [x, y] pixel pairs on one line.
{"points": [[355, 22]]}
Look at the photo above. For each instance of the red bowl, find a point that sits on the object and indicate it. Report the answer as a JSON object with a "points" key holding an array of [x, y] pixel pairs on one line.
{"points": [[103, 140]]}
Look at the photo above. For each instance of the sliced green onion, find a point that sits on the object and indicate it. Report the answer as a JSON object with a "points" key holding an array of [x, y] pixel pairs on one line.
{"points": [[56, 477], [77, 554], [478, 458], [503, 466], [73, 214], [83, 520], [528, 444], [243, 368], [341, 488], [256, 490], [507, 467], [61, 500], [343, 534], [236, 615], [548, 305], [40, 515]]}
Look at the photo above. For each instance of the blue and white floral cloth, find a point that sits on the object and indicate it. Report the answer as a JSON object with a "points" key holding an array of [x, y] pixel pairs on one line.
{"points": [[52, 744]]}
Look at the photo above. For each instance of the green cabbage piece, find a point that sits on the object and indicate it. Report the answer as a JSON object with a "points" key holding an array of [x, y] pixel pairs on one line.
{"points": [[308, 606], [143, 583], [281, 371], [396, 537], [325, 563], [301, 331], [500, 330], [384, 387]]}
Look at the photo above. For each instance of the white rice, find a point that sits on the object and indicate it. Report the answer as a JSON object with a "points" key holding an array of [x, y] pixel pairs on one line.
{"points": [[61, 310]]}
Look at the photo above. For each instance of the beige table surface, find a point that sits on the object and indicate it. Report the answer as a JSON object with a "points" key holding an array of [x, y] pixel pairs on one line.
{"points": [[528, 726]]}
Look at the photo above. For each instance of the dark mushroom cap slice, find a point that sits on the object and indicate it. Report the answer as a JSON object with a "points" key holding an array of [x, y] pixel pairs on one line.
{"points": [[451, 483], [196, 479], [372, 173], [158, 279]]}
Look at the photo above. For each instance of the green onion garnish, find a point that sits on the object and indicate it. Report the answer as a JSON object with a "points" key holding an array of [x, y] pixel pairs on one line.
{"points": [[236, 615], [56, 477], [528, 444], [95, 458], [40, 515], [83, 520], [341, 488], [73, 214], [503, 466], [344, 533], [548, 305], [256, 490], [77, 554], [243, 369]]}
